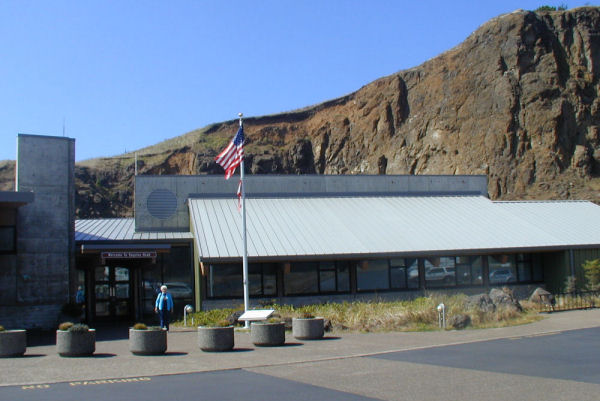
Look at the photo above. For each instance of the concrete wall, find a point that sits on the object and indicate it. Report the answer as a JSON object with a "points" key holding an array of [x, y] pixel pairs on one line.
{"points": [[167, 195], [32, 296]]}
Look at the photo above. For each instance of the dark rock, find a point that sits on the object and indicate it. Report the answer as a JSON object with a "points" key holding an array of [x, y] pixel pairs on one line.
{"points": [[327, 325], [541, 296], [483, 302], [233, 318], [459, 321], [503, 299]]}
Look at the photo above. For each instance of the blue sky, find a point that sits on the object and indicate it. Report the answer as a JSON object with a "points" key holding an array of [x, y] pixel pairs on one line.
{"points": [[122, 75]]}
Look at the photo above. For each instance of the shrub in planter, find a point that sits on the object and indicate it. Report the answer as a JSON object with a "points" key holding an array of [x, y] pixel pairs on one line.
{"points": [[12, 342], [216, 337], [144, 340], [268, 333], [308, 327], [75, 340]]}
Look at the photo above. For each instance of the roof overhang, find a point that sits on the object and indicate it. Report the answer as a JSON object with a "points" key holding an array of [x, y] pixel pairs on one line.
{"points": [[14, 200], [98, 248]]}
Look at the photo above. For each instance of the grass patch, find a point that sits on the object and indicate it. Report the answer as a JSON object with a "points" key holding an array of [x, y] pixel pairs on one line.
{"points": [[419, 314]]}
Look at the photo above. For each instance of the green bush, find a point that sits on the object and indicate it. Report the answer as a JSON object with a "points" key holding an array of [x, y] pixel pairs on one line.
{"points": [[79, 328], [306, 315], [591, 269], [562, 7], [140, 326], [1, 328]]}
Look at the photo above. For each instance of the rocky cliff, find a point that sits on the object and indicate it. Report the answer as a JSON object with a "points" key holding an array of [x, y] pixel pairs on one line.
{"points": [[517, 101]]}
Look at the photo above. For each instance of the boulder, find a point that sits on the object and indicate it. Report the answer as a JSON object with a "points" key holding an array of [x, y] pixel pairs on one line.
{"points": [[483, 302], [503, 299], [541, 296], [233, 318], [459, 321]]}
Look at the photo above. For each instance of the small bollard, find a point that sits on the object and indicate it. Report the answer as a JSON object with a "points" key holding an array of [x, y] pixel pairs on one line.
{"points": [[441, 308], [187, 309]]}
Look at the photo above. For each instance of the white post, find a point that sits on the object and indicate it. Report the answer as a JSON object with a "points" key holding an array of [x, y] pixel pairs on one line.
{"points": [[245, 259]]}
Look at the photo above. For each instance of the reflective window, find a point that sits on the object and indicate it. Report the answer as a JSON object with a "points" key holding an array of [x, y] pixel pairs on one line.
{"points": [[301, 278], [412, 273], [174, 269], [372, 275], [468, 270], [440, 272], [262, 278], [343, 276], [502, 269], [225, 280], [398, 273]]}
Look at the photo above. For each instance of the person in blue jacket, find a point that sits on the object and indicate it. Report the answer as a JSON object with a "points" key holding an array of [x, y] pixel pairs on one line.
{"points": [[164, 307]]}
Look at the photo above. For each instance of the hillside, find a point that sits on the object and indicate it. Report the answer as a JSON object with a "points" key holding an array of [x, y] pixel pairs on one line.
{"points": [[517, 101]]}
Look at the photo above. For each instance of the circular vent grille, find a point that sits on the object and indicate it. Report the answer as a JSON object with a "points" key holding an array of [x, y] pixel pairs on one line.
{"points": [[162, 203]]}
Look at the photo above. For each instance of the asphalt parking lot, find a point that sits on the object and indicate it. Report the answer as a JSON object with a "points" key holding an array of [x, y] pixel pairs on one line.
{"points": [[554, 359]]}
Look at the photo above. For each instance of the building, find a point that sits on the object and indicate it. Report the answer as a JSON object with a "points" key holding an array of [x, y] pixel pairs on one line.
{"points": [[311, 238], [37, 231]]}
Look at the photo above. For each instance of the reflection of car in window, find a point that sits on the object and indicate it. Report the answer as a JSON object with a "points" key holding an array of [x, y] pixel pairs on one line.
{"points": [[445, 274], [501, 276], [179, 290]]}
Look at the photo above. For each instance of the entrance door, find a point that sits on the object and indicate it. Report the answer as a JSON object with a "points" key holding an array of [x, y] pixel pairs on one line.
{"points": [[114, 299]]}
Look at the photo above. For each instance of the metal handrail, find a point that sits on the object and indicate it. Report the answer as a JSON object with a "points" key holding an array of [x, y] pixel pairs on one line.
{"points": [[569, 301]]}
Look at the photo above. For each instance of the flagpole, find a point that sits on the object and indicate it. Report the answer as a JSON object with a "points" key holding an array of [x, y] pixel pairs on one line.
{"points": [[245, 259]]}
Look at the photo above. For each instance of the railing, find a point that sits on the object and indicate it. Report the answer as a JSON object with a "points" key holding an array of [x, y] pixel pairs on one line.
{"points": [[569, 301]]}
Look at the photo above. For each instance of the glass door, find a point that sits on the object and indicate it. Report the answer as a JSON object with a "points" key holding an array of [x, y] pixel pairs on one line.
{"points": [[112, 287]]}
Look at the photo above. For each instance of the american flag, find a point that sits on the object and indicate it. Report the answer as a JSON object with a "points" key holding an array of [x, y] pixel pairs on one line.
{"points": [[232, 155]]}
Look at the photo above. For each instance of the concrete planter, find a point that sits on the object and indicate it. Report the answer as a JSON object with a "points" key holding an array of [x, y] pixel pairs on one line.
{"points": [[308, 328], [215, 339], [147, 342], [12, 343], [267, 334], [69, 343]]}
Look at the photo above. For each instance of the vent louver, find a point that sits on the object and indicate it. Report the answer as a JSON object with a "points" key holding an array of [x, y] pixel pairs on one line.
{"points": [[162, 203]]}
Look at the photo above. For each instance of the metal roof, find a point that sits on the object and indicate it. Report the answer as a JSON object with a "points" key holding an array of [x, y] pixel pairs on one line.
{"points": [[375, 226], [574, 223], [122, 229]]}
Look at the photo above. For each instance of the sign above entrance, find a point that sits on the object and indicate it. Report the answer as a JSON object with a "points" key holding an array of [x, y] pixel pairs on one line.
{"points": [[129, 255]]}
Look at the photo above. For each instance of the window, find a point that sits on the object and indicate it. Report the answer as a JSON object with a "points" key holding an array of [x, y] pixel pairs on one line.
{"points": [[316, 277], [524, 268], [372, 275], [387, 274], [502, 269], [301, 278], [226, 280], [398, 273], [262, 279], [468, 270], [440, 272]]}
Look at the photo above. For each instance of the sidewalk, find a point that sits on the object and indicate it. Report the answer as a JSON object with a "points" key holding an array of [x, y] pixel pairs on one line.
{"points": [[113, 360]]}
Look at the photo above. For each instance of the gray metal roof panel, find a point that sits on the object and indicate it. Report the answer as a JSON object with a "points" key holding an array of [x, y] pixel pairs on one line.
{"points": [[575, 223], [280, 227], [119, 229]]}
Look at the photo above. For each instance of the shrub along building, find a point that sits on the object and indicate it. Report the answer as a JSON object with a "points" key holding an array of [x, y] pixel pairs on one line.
{"points": [[311, 238]]}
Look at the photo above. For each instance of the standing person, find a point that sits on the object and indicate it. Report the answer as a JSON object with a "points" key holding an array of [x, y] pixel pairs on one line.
{"points": [[80, 296], [164, 307]]}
